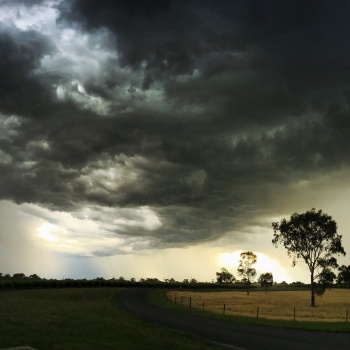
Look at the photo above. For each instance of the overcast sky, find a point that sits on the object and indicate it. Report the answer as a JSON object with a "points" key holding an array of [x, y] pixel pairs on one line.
{"points": [[161, 138]]}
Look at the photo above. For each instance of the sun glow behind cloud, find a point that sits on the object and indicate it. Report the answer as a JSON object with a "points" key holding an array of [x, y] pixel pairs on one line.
{"points": [[45, 232], [264, 264]]}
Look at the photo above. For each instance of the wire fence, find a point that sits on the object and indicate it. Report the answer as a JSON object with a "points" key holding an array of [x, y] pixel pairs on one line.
{"points": [[282, 312]]}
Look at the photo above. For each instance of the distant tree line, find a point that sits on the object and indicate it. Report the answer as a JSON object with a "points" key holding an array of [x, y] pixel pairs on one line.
{"points": [[265, 280], [21, 281], [225, 280]]}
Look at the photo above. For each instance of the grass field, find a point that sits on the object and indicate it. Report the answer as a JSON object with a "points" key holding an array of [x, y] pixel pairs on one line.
{"points": [[81, 319], [277, 305]]}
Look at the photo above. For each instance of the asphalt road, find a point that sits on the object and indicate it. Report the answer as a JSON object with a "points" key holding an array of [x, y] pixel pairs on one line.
{"points": [[234, 335]]}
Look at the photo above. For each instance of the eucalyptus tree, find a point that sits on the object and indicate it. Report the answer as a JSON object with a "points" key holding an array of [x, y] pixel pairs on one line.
{"points": [[245, 268], [311, 236]]}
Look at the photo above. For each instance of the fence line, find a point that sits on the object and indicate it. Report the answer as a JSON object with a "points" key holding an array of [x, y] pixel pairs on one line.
{"points": [[229, 309]]}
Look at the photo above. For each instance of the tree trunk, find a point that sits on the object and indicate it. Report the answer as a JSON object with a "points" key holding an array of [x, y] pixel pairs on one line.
{"points": [[312, 290]]}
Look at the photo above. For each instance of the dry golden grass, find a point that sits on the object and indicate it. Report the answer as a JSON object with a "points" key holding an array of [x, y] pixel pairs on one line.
{"points": [[332, 307]]}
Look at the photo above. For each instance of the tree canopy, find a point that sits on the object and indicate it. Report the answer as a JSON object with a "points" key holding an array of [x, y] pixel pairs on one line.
{"points": [[224, 276], [311, 236], [266, 280], [344, 275]]}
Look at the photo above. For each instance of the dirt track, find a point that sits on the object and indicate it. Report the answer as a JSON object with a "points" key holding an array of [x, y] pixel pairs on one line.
{"points": [[235, 335]]}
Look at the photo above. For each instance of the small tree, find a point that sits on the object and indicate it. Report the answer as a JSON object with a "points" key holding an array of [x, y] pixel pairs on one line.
{"points": [[34, 277], [313, 237], [18, 276], [224, 276], [344, 275], [325, 281], [245, 268], [266, 280]]}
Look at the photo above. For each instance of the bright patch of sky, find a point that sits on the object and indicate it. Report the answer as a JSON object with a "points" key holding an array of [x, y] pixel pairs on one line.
{"points": [[92, 231], [40, 17], [9, 125]]}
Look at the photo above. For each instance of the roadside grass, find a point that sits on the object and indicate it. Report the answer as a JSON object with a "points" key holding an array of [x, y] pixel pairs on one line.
{"points": [[336, 302], [81, 319]]}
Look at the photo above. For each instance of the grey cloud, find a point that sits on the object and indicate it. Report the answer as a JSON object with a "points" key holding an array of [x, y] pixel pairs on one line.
{"points": [[27, 3], [21, 93], [259, 62]]}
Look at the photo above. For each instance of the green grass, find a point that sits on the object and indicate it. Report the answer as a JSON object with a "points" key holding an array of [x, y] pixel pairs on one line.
{"points": [[82, 318], [158, 297]]}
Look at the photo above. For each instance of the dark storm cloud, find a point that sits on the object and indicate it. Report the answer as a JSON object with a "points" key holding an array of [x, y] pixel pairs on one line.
{"points": [[258, 95], [258, 60], [20, 53]]}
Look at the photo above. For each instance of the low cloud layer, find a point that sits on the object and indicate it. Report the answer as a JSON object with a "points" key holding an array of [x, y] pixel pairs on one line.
{"points": [[171, 123]]}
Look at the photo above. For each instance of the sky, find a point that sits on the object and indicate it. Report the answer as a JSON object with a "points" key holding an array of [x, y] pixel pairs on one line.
{"points": [[159, 139]]}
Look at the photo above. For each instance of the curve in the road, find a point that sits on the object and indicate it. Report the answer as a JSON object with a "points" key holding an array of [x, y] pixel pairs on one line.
{"points": [[238, 335]]}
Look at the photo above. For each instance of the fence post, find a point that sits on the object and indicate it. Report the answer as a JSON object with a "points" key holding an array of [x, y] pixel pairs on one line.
{"points": [[294, 314], [190, 302], [224, 309], [203, 305], [347, 315], [257, 312]]}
